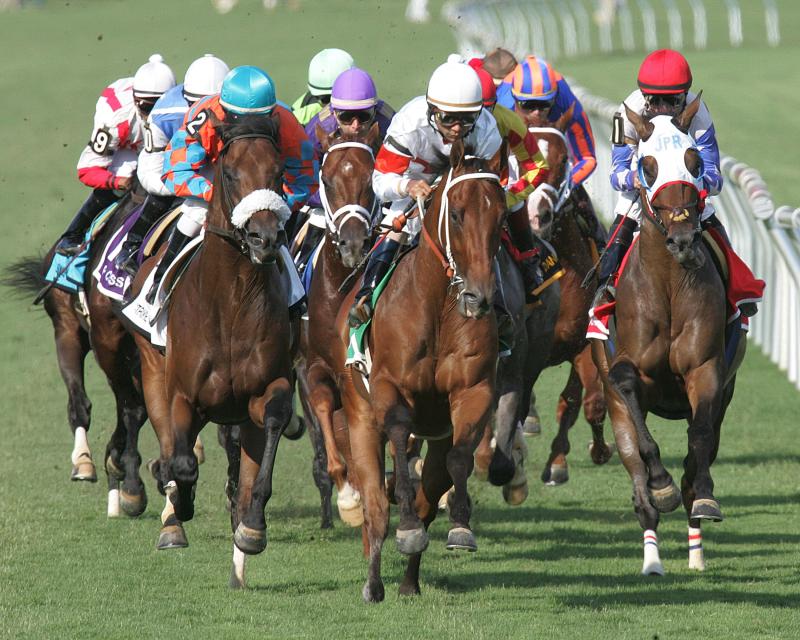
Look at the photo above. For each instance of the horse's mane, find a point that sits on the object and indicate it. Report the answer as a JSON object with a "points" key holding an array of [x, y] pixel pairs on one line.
{"points": [[242, 125]]}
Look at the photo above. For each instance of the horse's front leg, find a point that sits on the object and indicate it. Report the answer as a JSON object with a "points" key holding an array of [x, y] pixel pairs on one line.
{"points": [[594, 405], [470, 410], [271, 413]]}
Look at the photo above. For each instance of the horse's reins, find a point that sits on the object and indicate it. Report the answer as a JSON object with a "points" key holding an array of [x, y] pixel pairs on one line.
{"points": [[237, 236], [336, 219]]}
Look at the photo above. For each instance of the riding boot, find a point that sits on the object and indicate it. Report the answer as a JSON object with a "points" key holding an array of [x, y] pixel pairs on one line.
{"points": [[748, 309], [377, 267], [72, 239], [612, 257], [529, 262], [177, 242], [310, 242], [154, 207]]}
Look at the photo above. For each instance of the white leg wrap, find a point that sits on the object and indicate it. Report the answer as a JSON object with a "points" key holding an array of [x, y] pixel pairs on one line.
{"points": [[113, 503], [168, 510], [348, 497], [696, 559], [239, 559], [81, 445], [652, 562]]}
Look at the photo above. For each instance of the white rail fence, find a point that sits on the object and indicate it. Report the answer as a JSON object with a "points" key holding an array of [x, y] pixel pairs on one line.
{"points": [[765, 236]]}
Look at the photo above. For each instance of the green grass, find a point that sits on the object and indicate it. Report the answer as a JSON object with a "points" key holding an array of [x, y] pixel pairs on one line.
{"points": [[565, 564]]}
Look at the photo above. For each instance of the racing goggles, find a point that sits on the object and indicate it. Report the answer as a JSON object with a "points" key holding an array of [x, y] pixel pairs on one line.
{"points": [[464, 118], [664, 103], [364, 116], [535, 105], [145, 105]]}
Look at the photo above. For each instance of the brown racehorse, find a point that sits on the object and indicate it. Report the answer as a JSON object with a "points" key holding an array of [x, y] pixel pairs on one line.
{"points": [[348, 200], [232, 362], [670, 351], [569, 341], [434, 354]]}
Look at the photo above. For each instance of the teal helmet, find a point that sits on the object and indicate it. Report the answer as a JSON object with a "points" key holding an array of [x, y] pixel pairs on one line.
{"points": [[324, 68], [247, 90]]}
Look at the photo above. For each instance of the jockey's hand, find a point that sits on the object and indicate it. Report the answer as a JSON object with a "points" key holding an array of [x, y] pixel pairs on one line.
{"points": [[124, 184], [636, 183], [418, 188]]}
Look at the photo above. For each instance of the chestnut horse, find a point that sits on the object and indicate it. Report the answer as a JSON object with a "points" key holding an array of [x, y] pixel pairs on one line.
{"points": [[434, 355], [559, 224], [349, 204], [670, 350], [232, 362]]}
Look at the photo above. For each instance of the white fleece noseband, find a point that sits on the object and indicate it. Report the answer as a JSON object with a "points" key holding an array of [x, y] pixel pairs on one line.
{"points": [[260, 200]]}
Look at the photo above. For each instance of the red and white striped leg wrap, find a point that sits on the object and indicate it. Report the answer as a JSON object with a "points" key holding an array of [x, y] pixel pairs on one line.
{"points": [[652, 562], [696, 559]]}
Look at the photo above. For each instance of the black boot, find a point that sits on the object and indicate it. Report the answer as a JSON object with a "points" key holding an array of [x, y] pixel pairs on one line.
{"points": [[154, 207], [612, 257], [529, 262], [378, 265], [72, 239], [310, 242], [177, 241]]}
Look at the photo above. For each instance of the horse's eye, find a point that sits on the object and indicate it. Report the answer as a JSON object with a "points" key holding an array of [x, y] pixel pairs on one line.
{"points": [[693, 162], [456, 215]]}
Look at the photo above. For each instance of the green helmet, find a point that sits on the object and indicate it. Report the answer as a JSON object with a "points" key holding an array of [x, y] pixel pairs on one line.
{"points": [[325, 67]]}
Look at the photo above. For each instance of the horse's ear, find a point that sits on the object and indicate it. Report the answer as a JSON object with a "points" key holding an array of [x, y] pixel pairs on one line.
{"points": [[457, 154], [322, 137], [563, 122], [499, 162], [685, 117], [642, 125], [213, 119], [373, 139]]}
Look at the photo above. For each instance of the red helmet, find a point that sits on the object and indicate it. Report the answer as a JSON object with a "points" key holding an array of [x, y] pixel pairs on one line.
{"points": [[488, 90], [665, 72]]}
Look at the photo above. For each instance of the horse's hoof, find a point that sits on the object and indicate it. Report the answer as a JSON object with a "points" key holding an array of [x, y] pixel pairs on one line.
{"points": [[515, 495], [532, 426], [133, 505], [295, 429], [84, 470], [349, 505], [373, 593], [409, 588], [444, 501], [461, 538], [411, 541], [250, 541], [154, 467], [601, 454], [654, 568], [234, 582], [697, 563], [555, 475], [172, 537], [666, 499], [113, 470], [706, 509]]}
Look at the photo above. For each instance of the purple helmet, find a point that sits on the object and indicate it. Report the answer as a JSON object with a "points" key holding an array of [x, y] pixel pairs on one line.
{"points": [[353, 90]]}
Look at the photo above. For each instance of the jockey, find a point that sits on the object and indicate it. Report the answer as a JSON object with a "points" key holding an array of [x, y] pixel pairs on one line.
{"points": [[108, 161], [195, 147], [498, 63], [541, 96], [354, 106], [528, 169], [203, 78], [323, 69], [664, 80], [416, 150]]}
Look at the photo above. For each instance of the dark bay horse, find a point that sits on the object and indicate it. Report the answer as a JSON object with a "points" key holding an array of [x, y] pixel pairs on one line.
{"points": [[559, 224], [670, 350], [349, 203], [231, 363], [434, 354]]}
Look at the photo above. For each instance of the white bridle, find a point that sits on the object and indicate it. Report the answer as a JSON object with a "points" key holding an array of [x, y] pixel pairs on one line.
{"points": [[444, 214], [335, 219], [556, 197]]}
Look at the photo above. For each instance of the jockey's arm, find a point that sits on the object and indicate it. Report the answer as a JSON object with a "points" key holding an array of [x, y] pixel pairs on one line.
{"points": [[389, 182], [622, 175], [150, 167], [709, 151], [97, 157], [522, 144], [301, 169], [581, 142], [184, 156]]}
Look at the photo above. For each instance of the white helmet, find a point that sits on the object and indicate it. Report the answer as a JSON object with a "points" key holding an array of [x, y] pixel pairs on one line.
{"points": [[455, 86], [153, 78], [204, 77], [325, 67]]}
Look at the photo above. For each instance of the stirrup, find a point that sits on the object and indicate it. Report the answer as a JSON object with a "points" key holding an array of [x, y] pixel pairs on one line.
{"points": [[68, 247], [360, 312]]}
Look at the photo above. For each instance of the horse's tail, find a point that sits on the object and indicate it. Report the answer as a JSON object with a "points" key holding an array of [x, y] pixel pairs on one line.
{"points": [[24, 276]]}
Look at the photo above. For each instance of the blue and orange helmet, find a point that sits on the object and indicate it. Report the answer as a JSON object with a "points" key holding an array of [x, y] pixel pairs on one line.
{"points": [[533, 79]]}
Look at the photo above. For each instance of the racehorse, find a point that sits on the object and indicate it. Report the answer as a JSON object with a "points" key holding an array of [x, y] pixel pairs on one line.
{"points": [[669, 357], [349, 204], [231, 363], [559, 223], [434, 352]]}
